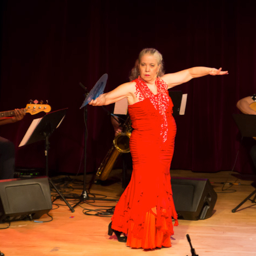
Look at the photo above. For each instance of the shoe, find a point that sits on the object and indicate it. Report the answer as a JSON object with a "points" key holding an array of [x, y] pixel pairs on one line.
{"points": [[117, 233]]}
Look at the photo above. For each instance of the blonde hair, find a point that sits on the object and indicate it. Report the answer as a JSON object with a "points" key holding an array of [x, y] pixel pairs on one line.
{"points": [[135, 70]]}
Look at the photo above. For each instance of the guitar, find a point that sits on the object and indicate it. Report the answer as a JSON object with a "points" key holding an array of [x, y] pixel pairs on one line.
{"points": [[32, 109]]}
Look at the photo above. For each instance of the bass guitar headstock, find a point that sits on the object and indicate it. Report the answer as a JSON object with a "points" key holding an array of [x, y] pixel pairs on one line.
{"points": [[34, 108]]}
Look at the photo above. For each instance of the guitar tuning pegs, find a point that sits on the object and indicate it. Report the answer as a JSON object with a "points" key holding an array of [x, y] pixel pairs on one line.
{"points": [[41, 102], [31, 101], [47, 101], [35, 101]]}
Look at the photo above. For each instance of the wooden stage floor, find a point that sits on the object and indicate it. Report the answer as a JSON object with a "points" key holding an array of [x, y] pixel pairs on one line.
{"points": [[77, 234]]}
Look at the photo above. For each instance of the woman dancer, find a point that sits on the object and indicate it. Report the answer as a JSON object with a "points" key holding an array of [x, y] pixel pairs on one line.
{"points": [[145, 210]]}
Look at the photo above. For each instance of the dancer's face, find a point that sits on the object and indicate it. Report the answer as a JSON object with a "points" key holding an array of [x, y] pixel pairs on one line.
{"points": [[148, 67]]}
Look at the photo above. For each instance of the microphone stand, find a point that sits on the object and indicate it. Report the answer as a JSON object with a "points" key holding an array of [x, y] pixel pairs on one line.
{"points": [[84, 196], [192, 249]]}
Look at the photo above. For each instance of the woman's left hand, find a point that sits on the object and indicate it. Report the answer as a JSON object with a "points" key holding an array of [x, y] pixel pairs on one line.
{"points": [[217, 72]]}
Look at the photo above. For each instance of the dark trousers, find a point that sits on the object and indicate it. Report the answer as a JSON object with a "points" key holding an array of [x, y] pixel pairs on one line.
{"points": [[7, 159]]}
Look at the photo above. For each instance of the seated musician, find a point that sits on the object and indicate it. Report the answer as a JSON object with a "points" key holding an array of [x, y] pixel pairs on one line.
{"points": [[244, 106], [7, 149]]}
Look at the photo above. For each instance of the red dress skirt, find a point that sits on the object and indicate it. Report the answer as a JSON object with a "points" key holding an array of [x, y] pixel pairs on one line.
{"points": [[146, 209]]}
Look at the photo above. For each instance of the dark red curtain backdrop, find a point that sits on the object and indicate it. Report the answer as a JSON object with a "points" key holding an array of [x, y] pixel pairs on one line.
{"points": [[48, 47]]}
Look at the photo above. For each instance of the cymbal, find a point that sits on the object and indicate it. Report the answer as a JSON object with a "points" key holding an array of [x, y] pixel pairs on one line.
{"points": [[96, 91]]}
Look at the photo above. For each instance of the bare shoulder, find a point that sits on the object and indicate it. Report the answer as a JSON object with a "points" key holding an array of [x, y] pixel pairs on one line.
{"points": [[130, 90], [132, 86], [129, 84], [128, 87], [165, 78], [168, 79]]}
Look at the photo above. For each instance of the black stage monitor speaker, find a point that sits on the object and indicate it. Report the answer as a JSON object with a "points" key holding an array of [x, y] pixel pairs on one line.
{"points": [[194, 199], [21, 199]]}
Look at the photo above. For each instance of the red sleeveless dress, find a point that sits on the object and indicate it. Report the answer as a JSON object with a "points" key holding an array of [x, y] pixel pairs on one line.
{"points": [[146, 209]]}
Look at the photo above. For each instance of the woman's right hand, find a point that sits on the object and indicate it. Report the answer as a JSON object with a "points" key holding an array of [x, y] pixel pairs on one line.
{"points": [[100, 101]]}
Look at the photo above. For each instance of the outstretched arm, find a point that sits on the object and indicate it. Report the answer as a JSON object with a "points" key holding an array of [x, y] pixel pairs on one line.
{"points": [[190, 73], [244, 105], [122, 91]]}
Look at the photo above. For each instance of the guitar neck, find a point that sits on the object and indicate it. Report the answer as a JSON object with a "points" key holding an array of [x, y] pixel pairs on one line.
{"points": [[9, 113]]}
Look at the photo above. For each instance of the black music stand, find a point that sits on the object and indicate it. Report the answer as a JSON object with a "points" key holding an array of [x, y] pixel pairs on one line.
{"points": [[177, 99], [247, 127], [41, 129]]}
